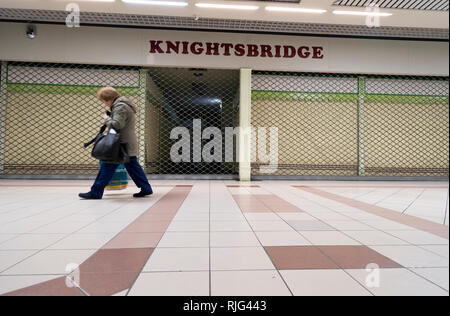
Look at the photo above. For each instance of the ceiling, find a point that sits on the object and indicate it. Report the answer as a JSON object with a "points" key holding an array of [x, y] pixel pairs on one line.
{"points": [[279, 1], [431, 24], [430, 5]]}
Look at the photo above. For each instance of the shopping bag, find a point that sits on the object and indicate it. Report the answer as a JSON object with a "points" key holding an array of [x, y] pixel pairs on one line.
{"points": [[119, 180]]}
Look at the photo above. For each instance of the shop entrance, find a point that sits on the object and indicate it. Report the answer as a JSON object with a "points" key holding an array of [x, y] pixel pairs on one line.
{"points": [[184, 105]]}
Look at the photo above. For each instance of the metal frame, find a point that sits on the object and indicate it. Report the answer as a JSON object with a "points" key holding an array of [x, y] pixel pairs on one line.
{"points": [[346, 178], [141, 115], [3, 90], [361, 127], [232, 177]]}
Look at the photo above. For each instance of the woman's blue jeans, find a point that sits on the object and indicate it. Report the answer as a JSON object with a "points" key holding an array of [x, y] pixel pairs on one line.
{"points": [[107, 172]]}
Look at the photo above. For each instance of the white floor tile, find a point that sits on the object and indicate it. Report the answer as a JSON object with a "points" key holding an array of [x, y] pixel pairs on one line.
{"points": [[189, 226], [262, 216], [420, 237], [398, 282], [230, 226], [61, 228], [386, 225], [103, 227], [412, 256], [6, 237], [332, 217], [192, 217], [171, 284], [190, 239], [10, 258], [441, 250], [322, 283], [325, 238], [239, 191], [229, 216], [348, 225], [50, 262], [31, 242], [240, 259], [22, 227], [438, 276], [295, 216], [178, 260], [274, 226], [374, 238], [234, 239], [83, 241], [248, 283], [282, 239]]}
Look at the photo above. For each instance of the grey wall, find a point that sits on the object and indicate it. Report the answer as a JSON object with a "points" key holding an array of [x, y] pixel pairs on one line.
{"points": [[119, 46]]}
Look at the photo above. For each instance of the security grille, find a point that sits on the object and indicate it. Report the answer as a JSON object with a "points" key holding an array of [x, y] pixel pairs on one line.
{"points": [[406, 127], [48, 111], [431, 5], [328, 124], [197, 101], [351, 125]]}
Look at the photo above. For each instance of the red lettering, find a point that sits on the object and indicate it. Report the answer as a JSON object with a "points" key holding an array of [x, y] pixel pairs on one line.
{"points": [[171, 46], [303, 52], [155, 47], [252, 50], [266, 51], [212, 49], [317, 52], [277, 51], [239, 50], [185, 48], [227, 47], [195, 50], [289, 51]]}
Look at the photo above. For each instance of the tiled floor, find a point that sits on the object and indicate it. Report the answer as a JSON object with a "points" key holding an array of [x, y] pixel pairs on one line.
{"points": [[225, 238]]}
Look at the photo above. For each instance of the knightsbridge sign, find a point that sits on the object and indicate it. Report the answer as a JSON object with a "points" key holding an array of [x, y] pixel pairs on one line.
{"points": [[197, 48]]}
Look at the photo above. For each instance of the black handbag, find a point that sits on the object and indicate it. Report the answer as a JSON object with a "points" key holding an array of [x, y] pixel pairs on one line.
{"points": [[108, 148]]}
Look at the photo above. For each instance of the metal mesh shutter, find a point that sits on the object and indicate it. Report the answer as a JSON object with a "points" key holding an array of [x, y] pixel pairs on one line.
{"points": [[328, 124], [406, 126], [175, 98], [49, 110], [316, 117], [354, 125]]}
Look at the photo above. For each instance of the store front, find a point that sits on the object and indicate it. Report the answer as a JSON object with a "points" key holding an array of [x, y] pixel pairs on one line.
{"points": [[340, 107]]}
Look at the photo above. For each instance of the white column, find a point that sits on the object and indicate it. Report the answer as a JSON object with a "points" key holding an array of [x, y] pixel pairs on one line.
{"points": [[245, 108]]}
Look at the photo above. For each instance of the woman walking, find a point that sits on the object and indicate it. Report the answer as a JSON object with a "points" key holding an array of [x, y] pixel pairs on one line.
{"points": [[123, 120]]}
